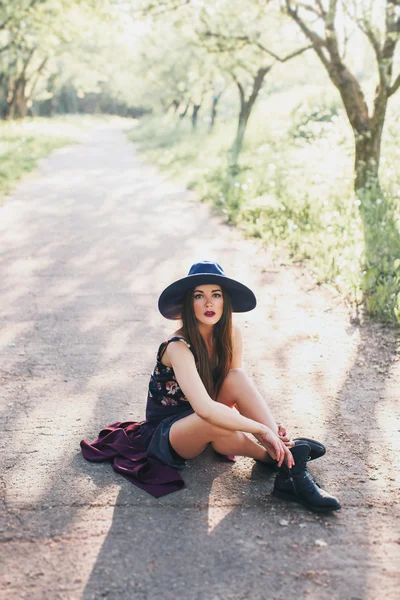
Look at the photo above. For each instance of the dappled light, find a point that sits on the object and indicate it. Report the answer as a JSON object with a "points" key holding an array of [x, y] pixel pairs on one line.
{"points": [[136, 139], [79, 334]]}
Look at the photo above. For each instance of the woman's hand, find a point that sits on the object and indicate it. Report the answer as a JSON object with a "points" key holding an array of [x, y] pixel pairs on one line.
{"points": [[275, 447], [285, 437]]}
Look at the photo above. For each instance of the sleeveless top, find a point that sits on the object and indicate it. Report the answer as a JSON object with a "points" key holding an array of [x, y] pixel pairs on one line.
{"points": [[165, 397], [164, 391]]}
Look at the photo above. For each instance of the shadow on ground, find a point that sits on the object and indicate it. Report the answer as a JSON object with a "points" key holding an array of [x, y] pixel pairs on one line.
{"points": [[86, 250]]}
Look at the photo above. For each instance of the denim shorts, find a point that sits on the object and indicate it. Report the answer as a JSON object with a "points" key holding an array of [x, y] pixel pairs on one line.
{"points": [[160, 446]]}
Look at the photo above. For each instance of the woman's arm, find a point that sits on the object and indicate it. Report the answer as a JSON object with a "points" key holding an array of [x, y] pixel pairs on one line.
{"points": [[216, 413], [182, 361], [190, 383]]}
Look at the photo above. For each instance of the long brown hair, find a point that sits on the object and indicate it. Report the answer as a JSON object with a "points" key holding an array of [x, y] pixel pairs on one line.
{"points": [[222, 336]]}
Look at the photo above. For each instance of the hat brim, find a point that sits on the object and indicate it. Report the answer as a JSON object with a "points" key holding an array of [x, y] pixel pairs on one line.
{"points": [[171, 300]]}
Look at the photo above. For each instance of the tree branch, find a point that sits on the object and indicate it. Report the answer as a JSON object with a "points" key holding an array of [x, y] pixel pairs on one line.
{"points": [[321, 8], [367, 30], [38, 74], [395, 86], [316, 40], [311, 9], [288, 56], [346, 83], [160, 8], [228, 40], [330, 33], [257, 84], [392, 24], [27, 61], [331, 14], [248, 41], [240, 88]]}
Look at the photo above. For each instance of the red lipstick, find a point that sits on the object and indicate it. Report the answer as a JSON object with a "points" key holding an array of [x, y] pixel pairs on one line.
{"points": [[209, 313]]}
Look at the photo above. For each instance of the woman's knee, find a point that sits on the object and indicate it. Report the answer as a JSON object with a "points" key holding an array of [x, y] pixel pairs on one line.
{"points": [[234, 377], [231, 385]]}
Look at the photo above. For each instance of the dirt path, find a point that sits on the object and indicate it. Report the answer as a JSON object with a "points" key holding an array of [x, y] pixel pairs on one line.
{"points": [[86, 248]]}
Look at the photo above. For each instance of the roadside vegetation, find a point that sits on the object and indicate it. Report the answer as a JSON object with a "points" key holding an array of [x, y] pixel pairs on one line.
{"points": [[24, 142], [294, 186], [299, 143]]}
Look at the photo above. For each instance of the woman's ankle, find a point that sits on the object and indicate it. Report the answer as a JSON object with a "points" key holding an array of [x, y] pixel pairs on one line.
{"points": [[267, 459]]}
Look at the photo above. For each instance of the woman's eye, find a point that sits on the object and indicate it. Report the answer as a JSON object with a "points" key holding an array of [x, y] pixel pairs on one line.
{"points": [[218, 295], [197, 296]]}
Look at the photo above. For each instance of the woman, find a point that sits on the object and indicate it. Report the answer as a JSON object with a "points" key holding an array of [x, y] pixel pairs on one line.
{"points": [[196, 382]]}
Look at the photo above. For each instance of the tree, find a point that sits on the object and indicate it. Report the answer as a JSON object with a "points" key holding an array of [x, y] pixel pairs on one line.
{"points": [[34, 33], [319, 22], [216, 97], [239, 38], [181, 79], [321, 31]]}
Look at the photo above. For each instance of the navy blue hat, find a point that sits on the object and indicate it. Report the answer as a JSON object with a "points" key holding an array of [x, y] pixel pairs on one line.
{"points": [[171, 300]]}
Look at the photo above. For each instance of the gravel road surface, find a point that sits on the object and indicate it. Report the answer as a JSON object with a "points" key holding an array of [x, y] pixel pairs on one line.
{"points": [[87, 244]]}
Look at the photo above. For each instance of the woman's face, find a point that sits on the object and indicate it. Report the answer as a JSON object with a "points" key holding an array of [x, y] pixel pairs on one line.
{"points": [[208, 303]]}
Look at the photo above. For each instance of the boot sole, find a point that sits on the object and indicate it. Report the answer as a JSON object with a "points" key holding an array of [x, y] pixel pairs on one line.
{"points": [[291, 498]]}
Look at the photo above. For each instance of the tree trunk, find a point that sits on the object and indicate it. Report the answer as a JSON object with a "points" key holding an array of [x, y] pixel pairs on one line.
{"points": [[195, 113], [215, 101], [246, 106], [18, 108], [366, 163], [241, 130], [183, 114], [17, 99]]}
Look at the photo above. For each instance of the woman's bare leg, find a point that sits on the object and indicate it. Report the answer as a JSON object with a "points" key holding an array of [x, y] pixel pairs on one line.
{"points": [[190, 436], [239, 389]]}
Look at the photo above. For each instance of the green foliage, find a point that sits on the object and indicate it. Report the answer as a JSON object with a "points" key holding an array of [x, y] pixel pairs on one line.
{"points": [[306, 120], [295, 193], [381, 275], [24, 143], [47, 44]]}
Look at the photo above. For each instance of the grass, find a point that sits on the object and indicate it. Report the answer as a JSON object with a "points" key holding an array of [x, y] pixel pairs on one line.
{"points": [[24, 143], [294, 188]]}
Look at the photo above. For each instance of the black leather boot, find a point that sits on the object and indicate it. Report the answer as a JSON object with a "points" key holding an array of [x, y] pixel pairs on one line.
{"points": [[297, 484], [317, 449]]}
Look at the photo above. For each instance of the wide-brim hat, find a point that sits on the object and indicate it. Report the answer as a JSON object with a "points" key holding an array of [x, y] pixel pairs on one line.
{"points": [[171, 300]]}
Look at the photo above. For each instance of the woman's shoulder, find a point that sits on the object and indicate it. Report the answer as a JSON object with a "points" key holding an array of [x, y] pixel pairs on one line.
{"points": [[176, 336], [162, 355]]}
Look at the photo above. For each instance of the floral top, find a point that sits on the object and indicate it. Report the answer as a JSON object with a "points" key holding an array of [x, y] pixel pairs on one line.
{"points": [[165, 397]]}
